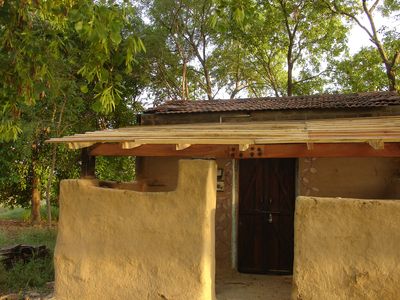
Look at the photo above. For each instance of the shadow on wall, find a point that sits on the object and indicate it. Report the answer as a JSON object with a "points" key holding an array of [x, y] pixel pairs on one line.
{"points": [[363, 178]]}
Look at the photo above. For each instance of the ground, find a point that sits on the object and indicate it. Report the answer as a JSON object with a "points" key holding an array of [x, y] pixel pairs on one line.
{"points": [[236, 286], [35, 279]]}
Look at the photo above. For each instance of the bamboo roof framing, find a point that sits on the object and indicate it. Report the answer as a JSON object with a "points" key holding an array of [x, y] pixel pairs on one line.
{"points": [[373, 132]]}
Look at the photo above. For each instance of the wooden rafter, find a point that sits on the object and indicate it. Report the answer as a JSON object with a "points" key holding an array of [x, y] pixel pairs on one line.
{"points": [[254, 151]]}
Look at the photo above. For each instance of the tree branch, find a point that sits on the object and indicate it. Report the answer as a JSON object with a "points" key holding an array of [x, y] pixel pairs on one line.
{"points": [[310, 77], [371, 10], [396, 59]]}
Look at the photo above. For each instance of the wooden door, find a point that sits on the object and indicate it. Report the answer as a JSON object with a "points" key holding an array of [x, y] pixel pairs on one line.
{"points": [[266, 215]]}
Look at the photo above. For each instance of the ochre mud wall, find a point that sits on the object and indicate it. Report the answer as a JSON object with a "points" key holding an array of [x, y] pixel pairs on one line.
{"points": [[122, 244], [162, 173], [365, 178], [346, 249]]}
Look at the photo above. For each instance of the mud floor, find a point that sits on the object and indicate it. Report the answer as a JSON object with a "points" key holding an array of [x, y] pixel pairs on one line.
{"points": [[236, 286]]}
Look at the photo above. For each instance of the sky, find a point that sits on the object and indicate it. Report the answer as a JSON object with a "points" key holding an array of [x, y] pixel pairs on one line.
{"points": [[358, 37]]}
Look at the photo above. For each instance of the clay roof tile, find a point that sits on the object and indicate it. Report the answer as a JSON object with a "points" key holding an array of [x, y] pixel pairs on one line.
{"points": [[324, 101]]}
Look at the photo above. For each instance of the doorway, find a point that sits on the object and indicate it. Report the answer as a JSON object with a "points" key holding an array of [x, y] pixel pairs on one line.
{"points": [[266, 215]]}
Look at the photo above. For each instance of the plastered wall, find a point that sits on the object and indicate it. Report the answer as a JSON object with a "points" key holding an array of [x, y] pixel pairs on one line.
{"points": [[122, 244], [162, 172], [159, 172], [346, 249], [367, 178]]}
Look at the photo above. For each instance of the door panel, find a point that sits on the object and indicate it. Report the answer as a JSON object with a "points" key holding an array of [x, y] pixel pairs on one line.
{"points": [[266, 214]]}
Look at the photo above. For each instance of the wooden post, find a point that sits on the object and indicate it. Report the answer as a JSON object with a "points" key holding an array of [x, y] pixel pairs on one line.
{"points": [[139, 168], [88, 164]]}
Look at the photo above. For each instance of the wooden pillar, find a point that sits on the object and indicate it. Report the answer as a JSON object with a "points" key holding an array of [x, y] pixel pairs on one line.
{"points": [[139, 167], [88, 164]]}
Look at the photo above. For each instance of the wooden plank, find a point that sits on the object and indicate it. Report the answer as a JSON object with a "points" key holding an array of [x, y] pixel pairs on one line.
{"points": [[180, 147], [206, 151], [356, 130], [130, 145], [254, 151], [243, 147], [377, 144], [79, 145], [331, 150]]}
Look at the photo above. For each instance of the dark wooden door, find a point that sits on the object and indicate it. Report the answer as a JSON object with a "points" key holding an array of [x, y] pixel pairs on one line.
{"points": [[266, 215]]}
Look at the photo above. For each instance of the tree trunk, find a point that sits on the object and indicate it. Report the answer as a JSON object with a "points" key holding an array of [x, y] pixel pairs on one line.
{"points": [[391, 76], [49, 182], [35, 209], [185, 88], [208, 83], [290, 79], [53, 161], [390, 73]]}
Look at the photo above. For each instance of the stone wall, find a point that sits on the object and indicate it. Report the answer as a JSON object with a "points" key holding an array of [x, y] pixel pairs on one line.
{"points": [[367, 178], [123, 244], [223, 218], [346, 249]]}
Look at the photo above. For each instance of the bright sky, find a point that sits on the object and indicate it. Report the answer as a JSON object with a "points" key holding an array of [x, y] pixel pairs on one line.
{"points": [[359, 38]]}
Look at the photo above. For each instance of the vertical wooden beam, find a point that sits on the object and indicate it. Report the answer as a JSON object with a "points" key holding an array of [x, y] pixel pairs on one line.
{"points": [[139, 168], [88, 164]]}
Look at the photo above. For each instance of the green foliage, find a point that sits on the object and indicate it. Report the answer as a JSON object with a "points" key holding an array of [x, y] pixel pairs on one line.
{"points": [[17, 213], [30, 236], [382, 38], [68, 66], [36, 236], [115, 168], [25, 276], [34, 274], [179, 48], [24, 214], [46, 45], [361, 72], [14, 178], [290, 40]]}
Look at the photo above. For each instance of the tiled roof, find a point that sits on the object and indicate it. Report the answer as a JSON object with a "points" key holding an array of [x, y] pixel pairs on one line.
{"points": [[325, 101]]}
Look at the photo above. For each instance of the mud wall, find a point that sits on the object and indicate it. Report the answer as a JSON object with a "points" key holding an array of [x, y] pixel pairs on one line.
{"points": [[346, 249], [162, 172], [158, 171], [366, 178], [123, 244]]}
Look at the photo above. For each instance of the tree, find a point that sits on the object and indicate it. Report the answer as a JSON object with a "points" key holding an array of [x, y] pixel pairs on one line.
{"points": [[361, 72], [35, 37], [187, 34], [60, 59], [353, 10], [291, 39]]}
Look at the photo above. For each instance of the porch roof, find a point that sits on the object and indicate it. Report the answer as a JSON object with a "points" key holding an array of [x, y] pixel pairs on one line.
{"points": [[374, 132]]}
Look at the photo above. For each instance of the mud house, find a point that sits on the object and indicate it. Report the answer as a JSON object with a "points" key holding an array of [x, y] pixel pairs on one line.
{"points": [[217, 183]]}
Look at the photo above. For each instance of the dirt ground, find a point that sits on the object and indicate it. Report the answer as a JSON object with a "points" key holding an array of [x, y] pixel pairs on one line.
{"points": [[237, 286], [13, 224]]}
